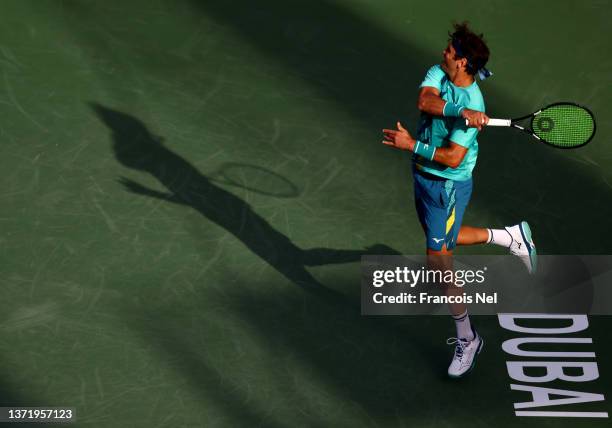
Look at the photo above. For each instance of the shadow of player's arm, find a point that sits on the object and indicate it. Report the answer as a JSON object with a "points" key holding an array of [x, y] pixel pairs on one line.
{"points": [[326, 256], [139, 189]]}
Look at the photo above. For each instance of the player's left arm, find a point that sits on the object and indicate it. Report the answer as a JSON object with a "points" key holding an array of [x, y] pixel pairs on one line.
{"points": [[450, 156], [138, 188]]}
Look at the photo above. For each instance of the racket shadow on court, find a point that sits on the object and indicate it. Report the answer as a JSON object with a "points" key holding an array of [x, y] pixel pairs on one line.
{"points": [[137, 148]]}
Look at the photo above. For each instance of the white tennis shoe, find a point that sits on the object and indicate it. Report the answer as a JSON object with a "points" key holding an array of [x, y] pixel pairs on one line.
{"points": [[466, 351], [522, 245]]}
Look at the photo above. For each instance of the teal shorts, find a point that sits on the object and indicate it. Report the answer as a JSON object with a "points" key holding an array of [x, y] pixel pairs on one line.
{"points": [[440, 205]]}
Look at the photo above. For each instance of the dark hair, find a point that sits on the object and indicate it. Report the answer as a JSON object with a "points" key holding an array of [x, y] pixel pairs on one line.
{"points": [[470, 46]]}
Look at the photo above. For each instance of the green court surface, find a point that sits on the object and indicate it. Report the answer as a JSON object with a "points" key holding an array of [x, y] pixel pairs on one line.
{"points": [[188, 186]]}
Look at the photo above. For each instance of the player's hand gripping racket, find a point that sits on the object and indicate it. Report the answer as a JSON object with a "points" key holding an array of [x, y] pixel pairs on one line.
{"points": [[561, 125]]}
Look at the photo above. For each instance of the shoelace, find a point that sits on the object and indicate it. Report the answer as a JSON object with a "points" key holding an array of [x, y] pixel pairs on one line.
{"points": [[460, 345]]}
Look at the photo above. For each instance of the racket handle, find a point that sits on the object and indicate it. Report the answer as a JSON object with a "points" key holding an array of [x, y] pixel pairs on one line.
{"points": [[499, 122], [495, 122]]}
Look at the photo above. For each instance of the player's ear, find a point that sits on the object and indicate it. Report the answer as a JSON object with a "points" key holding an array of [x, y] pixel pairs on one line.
{"points": [[463, 63]]}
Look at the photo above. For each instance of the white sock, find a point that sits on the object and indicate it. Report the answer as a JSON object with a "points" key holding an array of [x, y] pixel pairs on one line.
{"points": [[464, 328], [499, 237]]}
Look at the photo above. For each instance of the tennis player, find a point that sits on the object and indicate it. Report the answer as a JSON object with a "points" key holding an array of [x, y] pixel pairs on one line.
{"points": [[445, 153]]}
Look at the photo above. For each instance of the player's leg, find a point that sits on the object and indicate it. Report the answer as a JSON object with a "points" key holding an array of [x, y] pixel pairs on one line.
{"points": [[468, 343], [440, 205], [469, 235], [517, 239]]}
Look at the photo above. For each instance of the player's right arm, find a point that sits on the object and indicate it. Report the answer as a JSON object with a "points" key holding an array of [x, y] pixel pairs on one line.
{"points": [[430, 102]]}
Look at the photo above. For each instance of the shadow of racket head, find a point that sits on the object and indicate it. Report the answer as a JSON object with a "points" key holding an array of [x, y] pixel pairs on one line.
{"points": [[255, 179]]}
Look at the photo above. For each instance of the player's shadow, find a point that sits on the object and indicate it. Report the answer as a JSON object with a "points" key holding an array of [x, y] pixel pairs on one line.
{"points": [[136, 147]]}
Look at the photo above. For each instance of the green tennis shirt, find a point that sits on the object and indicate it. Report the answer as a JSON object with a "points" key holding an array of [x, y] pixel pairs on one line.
{"points": [[438, 130]]}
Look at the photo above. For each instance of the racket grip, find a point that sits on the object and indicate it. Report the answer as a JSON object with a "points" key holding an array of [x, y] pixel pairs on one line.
{"points": [[499, 122], [495, 122]]}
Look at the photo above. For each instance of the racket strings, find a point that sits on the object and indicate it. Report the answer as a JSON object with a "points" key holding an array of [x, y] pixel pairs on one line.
{"points": [[564, 125]]}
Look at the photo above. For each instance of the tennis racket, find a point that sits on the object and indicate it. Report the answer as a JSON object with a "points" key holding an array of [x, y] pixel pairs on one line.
{"points": [[562, 125]]}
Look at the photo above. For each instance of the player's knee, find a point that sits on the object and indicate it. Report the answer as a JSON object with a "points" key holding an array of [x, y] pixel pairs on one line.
{"points": [[442, 251], [440, 259]]}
